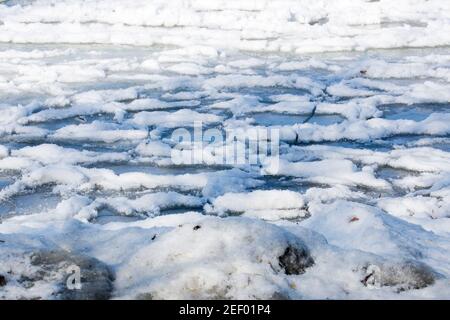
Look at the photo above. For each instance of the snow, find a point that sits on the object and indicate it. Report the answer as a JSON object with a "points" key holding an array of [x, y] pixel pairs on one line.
{"points": [[3, 152], [98, 131], [225, 257], [178, 118], [342, 172], [54, 154], [149, 205], [353, 204], [366, 130], [251, 25], [263, 204]]}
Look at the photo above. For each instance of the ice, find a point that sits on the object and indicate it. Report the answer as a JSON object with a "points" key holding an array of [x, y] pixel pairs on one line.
{"points": [[353, 201], [342, 172], [189, 69], [376, 128], [3, 152], [99, 131], [75, 177], [178, 118], [264, 204], [150, 204], [154, 148], [240, 25], [53, 154]]}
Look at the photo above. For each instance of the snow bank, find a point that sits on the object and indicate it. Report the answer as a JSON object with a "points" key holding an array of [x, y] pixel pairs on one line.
{"points": [[233, 258]]}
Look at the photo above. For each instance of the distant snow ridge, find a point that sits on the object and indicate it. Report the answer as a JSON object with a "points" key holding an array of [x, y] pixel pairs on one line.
{"points": [[266, 25]]}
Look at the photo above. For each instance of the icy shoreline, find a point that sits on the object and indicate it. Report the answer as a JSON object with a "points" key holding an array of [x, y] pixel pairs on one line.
{"points": [[356, 207]]}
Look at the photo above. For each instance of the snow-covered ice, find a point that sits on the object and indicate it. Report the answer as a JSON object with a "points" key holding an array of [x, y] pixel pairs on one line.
{"points": [[355, 204]]}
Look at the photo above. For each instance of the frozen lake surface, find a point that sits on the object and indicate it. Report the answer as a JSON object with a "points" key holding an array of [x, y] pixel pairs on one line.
{"points": [[357, 205]]}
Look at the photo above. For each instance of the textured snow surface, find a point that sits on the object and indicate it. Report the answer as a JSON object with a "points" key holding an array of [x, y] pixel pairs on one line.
{"points": [[357, 205], [267, 25]]}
